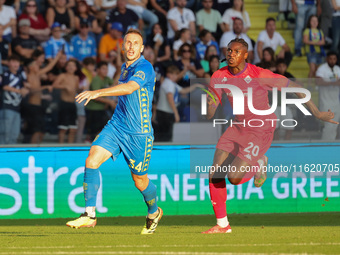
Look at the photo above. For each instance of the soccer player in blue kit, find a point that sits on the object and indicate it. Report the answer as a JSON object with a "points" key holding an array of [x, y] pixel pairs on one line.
{"points": [[129, 131]]}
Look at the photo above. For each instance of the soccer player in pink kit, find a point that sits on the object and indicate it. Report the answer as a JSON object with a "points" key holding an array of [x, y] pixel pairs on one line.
{"points": [[241, 145]]}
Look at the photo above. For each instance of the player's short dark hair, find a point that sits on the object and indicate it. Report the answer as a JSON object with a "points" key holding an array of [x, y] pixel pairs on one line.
{"points": [[89, 61], [203, 33], [270, 19], [239, 40], [101, 63], [331, 53], [280, 61], [172, 69], [14, 57], [134, 31]]}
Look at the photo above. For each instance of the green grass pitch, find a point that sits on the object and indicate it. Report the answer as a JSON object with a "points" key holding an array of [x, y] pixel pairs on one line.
{"points": [[312, 233]]}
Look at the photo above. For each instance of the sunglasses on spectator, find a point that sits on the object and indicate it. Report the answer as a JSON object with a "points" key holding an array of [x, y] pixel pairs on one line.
{"points": [[31, 5], [186, 50]]}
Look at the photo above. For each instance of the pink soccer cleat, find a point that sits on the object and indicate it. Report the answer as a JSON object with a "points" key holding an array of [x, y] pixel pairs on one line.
{"points": [[218, 230]]}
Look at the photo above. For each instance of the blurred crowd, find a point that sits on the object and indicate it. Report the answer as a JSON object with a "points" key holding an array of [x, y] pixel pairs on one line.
{"points": [[51, 50]]}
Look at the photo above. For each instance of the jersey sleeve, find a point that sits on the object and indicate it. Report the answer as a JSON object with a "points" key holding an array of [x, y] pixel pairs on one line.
{"points": [[272, 80], [142, 74]]}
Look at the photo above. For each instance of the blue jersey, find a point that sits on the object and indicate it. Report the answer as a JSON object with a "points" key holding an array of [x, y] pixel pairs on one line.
{"points": [[133, 112]]}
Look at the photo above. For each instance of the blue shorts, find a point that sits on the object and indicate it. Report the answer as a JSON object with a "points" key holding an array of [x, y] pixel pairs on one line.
{"points": [[136, 148], [315, 58]]}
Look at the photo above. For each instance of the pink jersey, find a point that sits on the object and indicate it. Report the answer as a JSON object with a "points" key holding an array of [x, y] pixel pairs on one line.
{"points": [[259, 79]]}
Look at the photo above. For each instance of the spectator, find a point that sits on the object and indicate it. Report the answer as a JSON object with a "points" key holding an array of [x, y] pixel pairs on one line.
{"points": [[167, 113], [303, 9], [13, 88], [104, 8], [84, 16], [8, 21], [114, 65], [209, 19], [83, 45], [5, 49], [328, 75], [161, 8], [222, 5], [314, 39], [190, 66], [270, 38], [24, 45], [268, 60], [281, 68], [56, 43], [209, 52], [96, 116], [126, 17], [150, 56], [139, 7], [68, 83], [205, 41], [184, 37], [180, 17], [213, 66], [160, 44], [88, 70], [237, 11], [38, 28], [35, 112], [62, 14], [111, 40], [236, 32], [326, 18], [335, 25]]}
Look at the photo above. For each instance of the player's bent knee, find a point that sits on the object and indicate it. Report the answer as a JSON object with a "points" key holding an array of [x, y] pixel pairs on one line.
{"points": [[92, 162], [234, 180]]}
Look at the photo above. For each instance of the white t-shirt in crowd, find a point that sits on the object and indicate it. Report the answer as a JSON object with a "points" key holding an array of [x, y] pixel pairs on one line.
{"points": [[337, 13], [136, 8], [109, 3], [182, 19], [230, 35], [168, 86], [274, 42], [6, 14], [178, 43], [329, 95], [230, 14]]}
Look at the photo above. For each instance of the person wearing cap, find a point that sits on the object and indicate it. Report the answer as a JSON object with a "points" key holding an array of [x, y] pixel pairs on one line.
{"points": [[83, 45], [24, 44], [111, 41], [125, 16], [56, 43]]}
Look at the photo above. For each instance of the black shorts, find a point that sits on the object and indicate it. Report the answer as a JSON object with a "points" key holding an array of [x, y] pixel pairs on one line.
{"points": [[95, 121], [67, 116], [35, 118], [164, 127]]}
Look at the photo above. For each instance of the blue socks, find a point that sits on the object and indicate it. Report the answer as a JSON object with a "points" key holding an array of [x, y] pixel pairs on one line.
{"points": [[91, 185], [150, 197]]}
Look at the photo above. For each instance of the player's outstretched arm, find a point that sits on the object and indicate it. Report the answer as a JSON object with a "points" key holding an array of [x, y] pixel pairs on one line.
{"points": [[324, 116], [212, 105], [119, 90]]}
